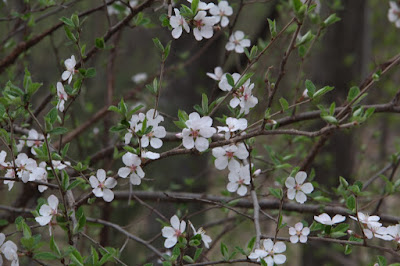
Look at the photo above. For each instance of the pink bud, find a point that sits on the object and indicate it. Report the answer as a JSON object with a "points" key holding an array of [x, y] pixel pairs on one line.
{"points": [[257, 172], [178, 135]]}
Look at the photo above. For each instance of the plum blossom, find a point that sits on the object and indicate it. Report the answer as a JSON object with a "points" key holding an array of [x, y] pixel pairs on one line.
{"points": [[239, 178], [62, 97], [10, 174], [221, 12], [102, 186], [237, 42], [233, 125], [47, 211], [133, 169], [139, 77], [244, 98], [3, 163], [225, 156], [327, 220], [205, 238], [269, 252], [296, 188], [133, 128], [203, 26], [70, 66], [198, 132], [217, 75], [394, 13], [390, 233], [40, 174], [172, 233], [157, 132], [9, 249], [149, 155], [60, 165], [34, 140], [178, 23], [299, 232], [24, 166]]}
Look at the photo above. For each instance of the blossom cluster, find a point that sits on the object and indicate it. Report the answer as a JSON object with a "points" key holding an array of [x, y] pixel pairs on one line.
{"points": [[177, 229]]}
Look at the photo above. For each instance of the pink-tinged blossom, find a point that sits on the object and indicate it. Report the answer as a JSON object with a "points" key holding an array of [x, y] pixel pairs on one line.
{"points": [[270, 252], [227, 155], [24, 166], [205, 238], [102, 185], [239, 179], [221, 12], [62, 97], [299, 233], [297, 188], [178, 23], [171, 233], [203, 26], [327, 220], [233, 125], [237, 42], [39, 174], [217, 75], [198, 130], [70, 66], [34, 139], [394, 13], [9, 250], [48, 211], [132, 169]]}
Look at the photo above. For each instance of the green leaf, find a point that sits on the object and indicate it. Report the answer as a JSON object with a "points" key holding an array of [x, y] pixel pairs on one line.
{"points": [[224, 251], [353, 92], [54, 247], [75, 20], [45, 256], [323, 91], [243, 79], [230, 80], [276, 192], [306, 38], [348, 249], [351, 203], [69, 34], [204, 103], [188, 259], [158, 44], [100, 43], [284, 104], [311, 89], [90, 73], [180, 124], [330, 20], [58, 131], [194, 5], [330, 119], [251, 244], [197, 254], [272, 28], [382, 261], [67, 21]]}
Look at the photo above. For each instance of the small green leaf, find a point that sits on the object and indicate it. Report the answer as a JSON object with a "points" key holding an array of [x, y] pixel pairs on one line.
{"points": [[100, 43], [330, 20], [284, 104]]}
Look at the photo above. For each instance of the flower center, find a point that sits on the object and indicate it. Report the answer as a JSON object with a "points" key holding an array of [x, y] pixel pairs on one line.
{"points": [[195, 133], [133, 168], [101, 185], [199, 23], [229, 154], [178, 233], [297, 187]]}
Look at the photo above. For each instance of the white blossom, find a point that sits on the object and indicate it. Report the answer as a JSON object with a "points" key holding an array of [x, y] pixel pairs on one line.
{"points": [[133, 128], [205, 238], [237, 42], [225, 156], [178, 23], [198, 132], [132, 169], [9, 250], [203, 26], [233, 125], [47, 211], [139, 77], [10, 174], [70, 66], [149, 155], [299, 232], [3, 163], [224, 84], [62, 97], [217, 75], [244, 98], [391, 233], [157, 132], [239, 179], [171, 233], [24, 166], [269, 252], [327, 220], [221, 12], [296, 188], [394, 13], [102, 186], [34, 140], [40, 174]]}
